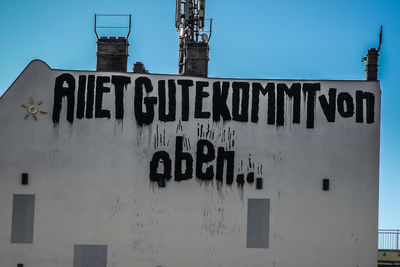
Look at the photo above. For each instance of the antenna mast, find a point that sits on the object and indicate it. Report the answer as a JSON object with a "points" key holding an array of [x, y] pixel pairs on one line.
{"points": [[193, 39], [371, 59]]}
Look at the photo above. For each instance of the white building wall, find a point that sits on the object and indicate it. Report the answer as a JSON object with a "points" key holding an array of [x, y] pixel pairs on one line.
{"points": [[91, 181]]}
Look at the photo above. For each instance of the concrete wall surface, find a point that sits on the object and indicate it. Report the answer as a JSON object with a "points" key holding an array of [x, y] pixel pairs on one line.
{"points": [[242, 161]]}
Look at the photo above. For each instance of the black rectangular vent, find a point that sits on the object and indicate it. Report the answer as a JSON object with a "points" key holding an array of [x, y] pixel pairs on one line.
{"points": [[325, 184], [24, 179], [259, 183]]}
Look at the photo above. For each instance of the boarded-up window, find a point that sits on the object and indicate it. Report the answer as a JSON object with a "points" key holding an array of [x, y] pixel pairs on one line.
{"points": [[23, 212], [258, 223], [90, 255]]}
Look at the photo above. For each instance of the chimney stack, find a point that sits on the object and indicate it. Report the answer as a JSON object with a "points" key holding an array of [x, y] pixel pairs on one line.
{"points": [[371, 67], [139, 67], [112, 52], [195, 59], [371, 59]]}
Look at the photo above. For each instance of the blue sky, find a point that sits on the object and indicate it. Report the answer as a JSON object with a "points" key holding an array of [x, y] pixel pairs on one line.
{"points": [[305, 39]]}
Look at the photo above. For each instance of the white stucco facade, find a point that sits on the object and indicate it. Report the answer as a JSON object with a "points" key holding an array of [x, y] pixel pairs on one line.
{"points": [[91, 176]]}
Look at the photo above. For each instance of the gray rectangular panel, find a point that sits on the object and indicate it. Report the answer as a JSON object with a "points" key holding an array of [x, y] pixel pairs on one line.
{"points": [[23, 212], [258, 223], [90, 255]]}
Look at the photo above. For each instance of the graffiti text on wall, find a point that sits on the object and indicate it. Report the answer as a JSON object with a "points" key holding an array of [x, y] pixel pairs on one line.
{"points": [[229, 100], [208, 102]]}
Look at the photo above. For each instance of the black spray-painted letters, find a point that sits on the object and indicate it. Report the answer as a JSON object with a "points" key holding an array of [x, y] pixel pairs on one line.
{"points": [[270, 103]]}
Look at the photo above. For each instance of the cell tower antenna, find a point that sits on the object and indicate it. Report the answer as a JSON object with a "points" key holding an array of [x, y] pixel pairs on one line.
{"points": [[190, 22]]}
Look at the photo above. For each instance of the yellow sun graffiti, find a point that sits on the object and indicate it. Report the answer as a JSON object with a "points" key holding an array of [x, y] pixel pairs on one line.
{"points": [[33, 109]]}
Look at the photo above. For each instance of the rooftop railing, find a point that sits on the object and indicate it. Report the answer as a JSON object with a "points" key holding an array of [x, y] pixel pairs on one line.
{"points": [[389, 240]]}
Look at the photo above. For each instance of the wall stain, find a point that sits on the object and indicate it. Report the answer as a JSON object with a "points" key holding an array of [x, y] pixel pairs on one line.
{"points": [[214, 220]]}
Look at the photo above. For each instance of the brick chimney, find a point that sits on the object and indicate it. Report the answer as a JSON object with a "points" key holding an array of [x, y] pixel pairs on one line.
{"points": [[112, 54], [371, 59], [371, 68]]}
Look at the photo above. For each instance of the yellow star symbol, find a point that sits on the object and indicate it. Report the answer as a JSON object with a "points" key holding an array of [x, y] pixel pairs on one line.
{"points": [[33, 109]]}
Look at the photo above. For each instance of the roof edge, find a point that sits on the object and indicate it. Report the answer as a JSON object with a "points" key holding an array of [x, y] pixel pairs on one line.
{"points": [[30, 64]]}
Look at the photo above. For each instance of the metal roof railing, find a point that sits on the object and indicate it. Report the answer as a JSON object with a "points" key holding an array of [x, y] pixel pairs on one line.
{"points": [[389, 240], [112, 27]]}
